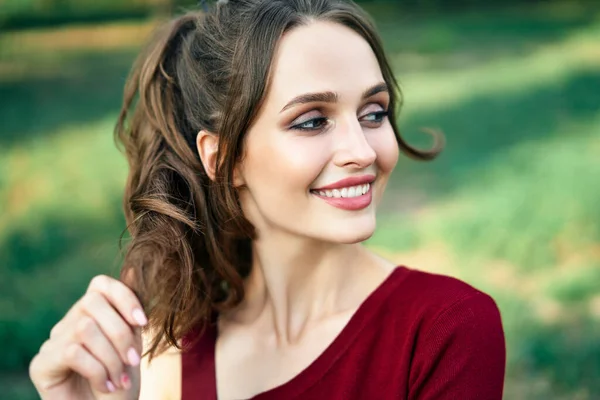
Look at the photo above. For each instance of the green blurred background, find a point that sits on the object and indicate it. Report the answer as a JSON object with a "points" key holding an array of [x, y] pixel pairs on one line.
{"points": [[512, 206]]}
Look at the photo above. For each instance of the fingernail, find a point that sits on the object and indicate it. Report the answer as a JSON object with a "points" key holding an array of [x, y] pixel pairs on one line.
{"points": [[133, 357], [109, 385], [125, 381], [139, 317]]}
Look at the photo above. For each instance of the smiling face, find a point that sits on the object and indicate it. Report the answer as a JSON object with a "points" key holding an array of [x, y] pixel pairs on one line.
{"points": [[323, 125]]}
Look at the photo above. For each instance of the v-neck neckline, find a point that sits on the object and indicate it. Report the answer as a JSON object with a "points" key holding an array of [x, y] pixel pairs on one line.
{"points": [[324, 361]]}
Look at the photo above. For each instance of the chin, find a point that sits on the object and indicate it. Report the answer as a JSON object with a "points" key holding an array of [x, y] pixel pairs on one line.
{"points": [[352, 239], [352, 233]]}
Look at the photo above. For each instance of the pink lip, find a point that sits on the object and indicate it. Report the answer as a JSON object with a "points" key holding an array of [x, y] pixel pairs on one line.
{"points": [[347, 182], [349, 203]]}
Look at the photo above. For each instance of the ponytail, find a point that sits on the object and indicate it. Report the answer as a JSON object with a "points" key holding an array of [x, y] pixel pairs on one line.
{"points": [[177, 256]]}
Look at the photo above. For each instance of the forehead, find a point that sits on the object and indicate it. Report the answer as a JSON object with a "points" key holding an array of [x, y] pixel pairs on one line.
{"points": [[322, 56]]}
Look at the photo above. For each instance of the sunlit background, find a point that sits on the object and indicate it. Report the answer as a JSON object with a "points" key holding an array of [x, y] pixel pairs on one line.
{"points": [[512, 206]]}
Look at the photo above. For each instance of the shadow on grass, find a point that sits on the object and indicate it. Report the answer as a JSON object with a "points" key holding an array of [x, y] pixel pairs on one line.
{"points": [[569, 353], [548, 360], [565, 355], [488, 125], [87, 88], [480, 34], [45, 268], [17, 386]]}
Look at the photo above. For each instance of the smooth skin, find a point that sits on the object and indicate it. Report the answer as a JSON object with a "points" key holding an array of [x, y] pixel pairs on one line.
{"points": [[310, 271], [95, 349]]}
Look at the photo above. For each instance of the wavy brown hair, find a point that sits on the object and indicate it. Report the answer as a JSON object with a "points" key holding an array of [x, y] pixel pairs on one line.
{"points": [[190, 245]]}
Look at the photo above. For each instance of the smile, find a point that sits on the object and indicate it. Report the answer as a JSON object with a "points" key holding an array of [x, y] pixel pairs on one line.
{"points": [[347, 192], [350, 198]]}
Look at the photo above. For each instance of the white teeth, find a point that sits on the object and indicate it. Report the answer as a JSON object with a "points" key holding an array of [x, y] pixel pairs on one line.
{"points": [[353, 191]]}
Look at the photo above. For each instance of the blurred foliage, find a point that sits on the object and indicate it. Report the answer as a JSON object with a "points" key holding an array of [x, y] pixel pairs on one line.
{"points": [[511, 206], [20, 14]]}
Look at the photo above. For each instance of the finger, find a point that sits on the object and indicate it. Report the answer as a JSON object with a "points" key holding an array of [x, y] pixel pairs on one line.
{"points": [[48, 369], [77, 358], [118, 331], [66, 322], [98, 284], [56, 329], [121, 298], [88, 334]]}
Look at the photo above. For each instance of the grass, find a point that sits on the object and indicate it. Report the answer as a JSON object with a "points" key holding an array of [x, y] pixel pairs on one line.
{"points": [[511, 206]]}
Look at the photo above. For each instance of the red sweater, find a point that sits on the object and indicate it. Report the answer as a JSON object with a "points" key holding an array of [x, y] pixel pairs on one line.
{"points": [[418, 336]]}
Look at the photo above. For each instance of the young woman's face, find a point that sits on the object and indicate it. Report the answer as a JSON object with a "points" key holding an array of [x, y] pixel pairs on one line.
{"points": [[322, 126]]}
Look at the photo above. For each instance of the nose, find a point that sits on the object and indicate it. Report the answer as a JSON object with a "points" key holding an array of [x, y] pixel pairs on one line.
{"points": [[352, 148]]}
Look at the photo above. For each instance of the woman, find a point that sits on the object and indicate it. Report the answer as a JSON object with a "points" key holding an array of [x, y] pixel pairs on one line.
{"points": [[262, 137]]}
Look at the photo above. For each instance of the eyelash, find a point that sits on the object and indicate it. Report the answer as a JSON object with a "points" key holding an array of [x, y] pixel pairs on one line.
{"points": [[380, 116]]}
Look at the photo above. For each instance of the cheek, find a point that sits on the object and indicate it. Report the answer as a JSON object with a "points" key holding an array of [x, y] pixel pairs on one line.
{"points": [[386, 147], [304, 157], [278, 174], [281, 165]]}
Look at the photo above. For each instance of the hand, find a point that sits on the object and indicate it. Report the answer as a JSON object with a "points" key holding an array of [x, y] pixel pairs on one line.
{"points": [[94, 351]]}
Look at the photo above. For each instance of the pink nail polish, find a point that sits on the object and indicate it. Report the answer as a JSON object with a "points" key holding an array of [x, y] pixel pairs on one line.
{"points": [[109, 385], [139, 317], [133, 357], [125, 381]]}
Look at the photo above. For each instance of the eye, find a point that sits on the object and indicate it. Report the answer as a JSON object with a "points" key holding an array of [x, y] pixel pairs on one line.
{"points": [[375, 118], [312, 124]]}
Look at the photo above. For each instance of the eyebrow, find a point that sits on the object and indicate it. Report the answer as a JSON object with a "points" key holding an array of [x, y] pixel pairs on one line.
{"points": [[332, 97]]}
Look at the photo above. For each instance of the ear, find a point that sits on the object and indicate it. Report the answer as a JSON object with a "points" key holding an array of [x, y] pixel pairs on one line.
{"points": [[207, 144], [238, 180]]}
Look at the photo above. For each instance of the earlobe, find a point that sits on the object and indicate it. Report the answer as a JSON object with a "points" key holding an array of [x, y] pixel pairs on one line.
{"points": [[207, 144], [238, 181]]}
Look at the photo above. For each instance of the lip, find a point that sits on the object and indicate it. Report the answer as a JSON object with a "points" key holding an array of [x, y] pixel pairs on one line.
{"points": [[347, 182], [348, 203]]}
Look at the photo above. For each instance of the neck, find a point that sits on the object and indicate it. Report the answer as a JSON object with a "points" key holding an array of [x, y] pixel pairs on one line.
{"points": [[297, 281]]}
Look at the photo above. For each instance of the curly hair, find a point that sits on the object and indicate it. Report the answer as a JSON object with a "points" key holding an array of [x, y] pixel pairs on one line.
{"points": [[190, 245]]}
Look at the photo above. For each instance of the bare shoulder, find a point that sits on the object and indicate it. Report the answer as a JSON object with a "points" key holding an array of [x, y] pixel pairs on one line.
{"points": [[161, 378]]}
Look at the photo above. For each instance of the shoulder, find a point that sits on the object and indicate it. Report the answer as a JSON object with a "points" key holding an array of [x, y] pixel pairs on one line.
{"points": [[428, 296], [434, 309], [458, 345], [161, 378]]}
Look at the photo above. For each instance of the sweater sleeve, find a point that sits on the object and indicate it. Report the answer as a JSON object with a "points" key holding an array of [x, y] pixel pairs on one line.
{"points": [[463, 355]]}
